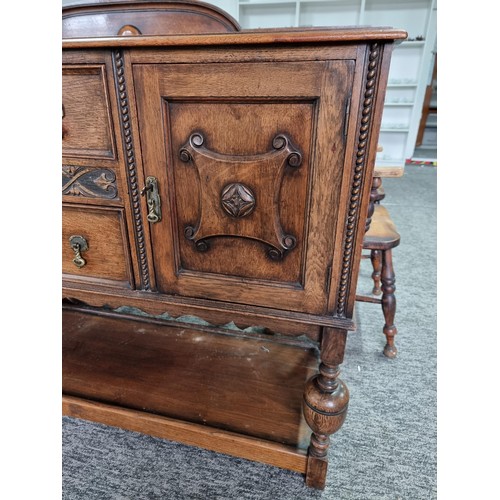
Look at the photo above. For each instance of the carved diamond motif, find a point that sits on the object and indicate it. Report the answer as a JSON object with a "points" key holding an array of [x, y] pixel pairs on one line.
{"points": [[237, 200]]}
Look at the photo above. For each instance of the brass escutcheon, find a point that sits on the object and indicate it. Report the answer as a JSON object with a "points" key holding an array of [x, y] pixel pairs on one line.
{"points": [[153, 201]]}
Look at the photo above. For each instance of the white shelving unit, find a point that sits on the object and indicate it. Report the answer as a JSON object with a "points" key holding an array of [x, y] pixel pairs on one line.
{"points": [[411, 60]]}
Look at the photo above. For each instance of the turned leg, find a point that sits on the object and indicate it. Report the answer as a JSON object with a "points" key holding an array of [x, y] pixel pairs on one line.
{"points": [[374, 197], [389, 303], [325, 405], [376, 258]]}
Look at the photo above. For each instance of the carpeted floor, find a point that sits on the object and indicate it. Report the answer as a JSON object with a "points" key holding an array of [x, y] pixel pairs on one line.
{"points": [[387, 446]]}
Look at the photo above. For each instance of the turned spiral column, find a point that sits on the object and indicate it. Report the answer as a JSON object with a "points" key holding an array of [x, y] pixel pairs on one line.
{"points": [[326, 399]]}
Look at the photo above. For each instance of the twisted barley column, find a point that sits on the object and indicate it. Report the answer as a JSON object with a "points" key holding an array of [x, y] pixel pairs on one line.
{"points": [[366, 115], [131, 166]]}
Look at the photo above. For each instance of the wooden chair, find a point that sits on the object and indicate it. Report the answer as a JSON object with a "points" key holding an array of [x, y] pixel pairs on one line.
{"points": [[380, 238]]}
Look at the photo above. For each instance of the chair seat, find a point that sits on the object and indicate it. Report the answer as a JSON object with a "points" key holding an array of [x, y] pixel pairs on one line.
{"points": [[382, 234]]}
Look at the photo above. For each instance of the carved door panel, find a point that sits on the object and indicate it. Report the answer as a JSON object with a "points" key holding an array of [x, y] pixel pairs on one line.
{"points": [[248, 160]]}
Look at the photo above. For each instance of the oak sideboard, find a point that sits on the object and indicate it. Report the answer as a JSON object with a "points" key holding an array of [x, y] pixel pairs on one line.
{"points": [[215, 191]]}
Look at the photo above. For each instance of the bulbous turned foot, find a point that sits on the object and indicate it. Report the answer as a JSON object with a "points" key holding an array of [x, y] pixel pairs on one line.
{"points": [[325, 411], [390, 351], [325, 406]]}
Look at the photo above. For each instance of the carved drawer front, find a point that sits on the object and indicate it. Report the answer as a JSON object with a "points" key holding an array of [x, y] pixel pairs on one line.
{"points": [[86, 113], [94, 246], [86, 184], [242, 154]]}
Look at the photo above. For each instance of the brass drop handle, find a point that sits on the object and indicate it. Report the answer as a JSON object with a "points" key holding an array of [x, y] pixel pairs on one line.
{"points": [[78, 244], [153, 201]]}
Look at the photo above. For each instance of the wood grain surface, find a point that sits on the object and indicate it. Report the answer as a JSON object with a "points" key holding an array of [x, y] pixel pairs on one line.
{"points": [[245, 385]]}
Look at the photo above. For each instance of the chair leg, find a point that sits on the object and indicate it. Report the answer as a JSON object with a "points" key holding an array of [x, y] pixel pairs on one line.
{"points": [[389, 302], [376, 258]]}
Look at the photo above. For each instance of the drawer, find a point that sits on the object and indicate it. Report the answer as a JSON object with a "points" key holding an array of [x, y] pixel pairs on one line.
{"points": [[88, 130], [106, 259]]}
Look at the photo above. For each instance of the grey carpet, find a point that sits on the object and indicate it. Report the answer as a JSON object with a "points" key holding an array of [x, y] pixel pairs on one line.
{"points": [[387, 446]]}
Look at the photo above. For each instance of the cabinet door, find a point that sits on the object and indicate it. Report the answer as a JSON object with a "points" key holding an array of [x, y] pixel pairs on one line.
{"points": [[248, 159]]}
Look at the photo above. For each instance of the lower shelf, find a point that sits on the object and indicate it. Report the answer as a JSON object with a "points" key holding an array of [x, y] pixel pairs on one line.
{"points": [[228, 393]]}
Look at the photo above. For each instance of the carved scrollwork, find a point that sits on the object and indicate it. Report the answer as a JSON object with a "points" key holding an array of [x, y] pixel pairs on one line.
{"points": [[195, 141], [294, 159], [89, 182], [236, 200]]}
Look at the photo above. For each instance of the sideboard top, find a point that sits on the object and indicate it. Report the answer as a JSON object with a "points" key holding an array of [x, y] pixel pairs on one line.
{"points": [[161, 23], [246, 37]]}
